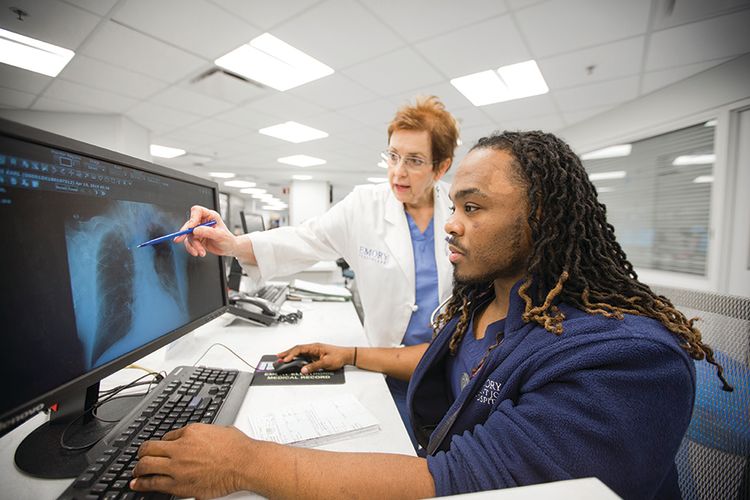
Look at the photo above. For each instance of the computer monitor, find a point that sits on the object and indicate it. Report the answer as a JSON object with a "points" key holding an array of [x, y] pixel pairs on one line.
{"points": [[79, 299], [252, 222]]}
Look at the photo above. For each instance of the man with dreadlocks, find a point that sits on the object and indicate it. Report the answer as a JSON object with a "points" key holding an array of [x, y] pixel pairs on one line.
{"points": [[551, 360]]}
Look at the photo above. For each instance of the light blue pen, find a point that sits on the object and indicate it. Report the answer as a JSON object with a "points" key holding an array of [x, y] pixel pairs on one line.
{"points": [[168, 237]]}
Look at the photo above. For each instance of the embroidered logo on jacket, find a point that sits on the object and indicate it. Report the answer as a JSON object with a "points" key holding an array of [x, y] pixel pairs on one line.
{"points": [[489, 393], [373, 255]]}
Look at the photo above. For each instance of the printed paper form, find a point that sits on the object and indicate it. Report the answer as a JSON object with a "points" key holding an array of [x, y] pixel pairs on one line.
{"points": [[315, 423]]}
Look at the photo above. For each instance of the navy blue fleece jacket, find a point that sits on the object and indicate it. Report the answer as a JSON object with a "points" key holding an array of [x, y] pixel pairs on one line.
{"points": [[608, 398]]}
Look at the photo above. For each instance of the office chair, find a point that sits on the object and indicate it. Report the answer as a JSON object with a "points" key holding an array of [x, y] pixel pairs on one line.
{"points": [[713, 461]]}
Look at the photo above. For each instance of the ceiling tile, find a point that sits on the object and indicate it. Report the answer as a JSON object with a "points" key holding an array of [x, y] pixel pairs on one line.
{"points": [[23, 80], [395, 72], [47, 104], [537, 105], [444, 16], [215, 128], [99, 7], [286, 107], [559, 26], [377, 113], [609, 61], [597, 94], [471, 116], [715, 38], [100, 75], [86, 96], [200, 27], [182, 99], [338, 33], [487, 45], [334, 92], [670, 14], [247, 117], [333, 122], [572, 117], [44, 22], [147, 112], [15, 99], [654, 80], [548, 123], [129, 49], [224, 86], [265, 14]]}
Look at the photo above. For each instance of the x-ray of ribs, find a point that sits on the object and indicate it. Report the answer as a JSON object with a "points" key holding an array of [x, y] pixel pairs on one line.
{"points": [[164, 262], [115, 270]]}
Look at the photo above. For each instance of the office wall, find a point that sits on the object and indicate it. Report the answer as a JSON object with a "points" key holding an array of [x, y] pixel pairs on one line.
{"points": [[720, 92], [115, 132]]}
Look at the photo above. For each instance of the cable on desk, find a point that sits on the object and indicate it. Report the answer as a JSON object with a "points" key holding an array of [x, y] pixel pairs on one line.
{"points": [[111, 394], [228, 349]]}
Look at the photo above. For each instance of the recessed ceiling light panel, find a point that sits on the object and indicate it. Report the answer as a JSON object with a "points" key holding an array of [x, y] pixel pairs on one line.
{"points": [[293, 132], [33, 55], [239, 184], [273, 62], [616, 151], [508, 83], [165, 151], [301, 161]]}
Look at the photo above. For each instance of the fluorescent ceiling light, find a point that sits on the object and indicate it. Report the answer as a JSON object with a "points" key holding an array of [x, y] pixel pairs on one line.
{"points": [[222, 175], [601, 176], [710, 123], [293, 132], [239, 184], [514, 81], [694, 159], [252, 190], [702, 179], [377, 180], [272, 62], [382, 164], [265, 197], [272, 207], [604, 189], [33, 55], [165, 151], [301, 160], [301, 177], [610, 152]]}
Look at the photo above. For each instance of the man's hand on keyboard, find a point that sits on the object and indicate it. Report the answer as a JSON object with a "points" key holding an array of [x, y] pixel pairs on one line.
{"points": [[204, 461]]}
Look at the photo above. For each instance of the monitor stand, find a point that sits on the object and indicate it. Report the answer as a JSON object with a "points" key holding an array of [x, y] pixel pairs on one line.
{"points": [[41, 455]]}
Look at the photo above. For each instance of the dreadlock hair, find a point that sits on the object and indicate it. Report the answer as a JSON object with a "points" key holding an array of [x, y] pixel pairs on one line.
{"points": [[575, 257]]}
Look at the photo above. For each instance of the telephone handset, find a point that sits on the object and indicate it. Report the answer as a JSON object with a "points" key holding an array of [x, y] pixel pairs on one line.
{"points": [[266, 307]]}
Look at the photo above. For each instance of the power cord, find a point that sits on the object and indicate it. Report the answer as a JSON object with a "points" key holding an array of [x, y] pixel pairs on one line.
{"points": [[228, 349], [110, 394]]}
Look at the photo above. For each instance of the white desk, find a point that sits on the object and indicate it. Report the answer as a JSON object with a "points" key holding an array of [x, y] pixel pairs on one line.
{"points": [[330, 322]]}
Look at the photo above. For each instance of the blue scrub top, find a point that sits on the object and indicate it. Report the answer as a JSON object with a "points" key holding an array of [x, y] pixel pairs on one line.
{"points": [[426, 274]]}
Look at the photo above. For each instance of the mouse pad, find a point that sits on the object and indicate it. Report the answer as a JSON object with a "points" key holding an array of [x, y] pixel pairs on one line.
{"points": [[265, 375]]}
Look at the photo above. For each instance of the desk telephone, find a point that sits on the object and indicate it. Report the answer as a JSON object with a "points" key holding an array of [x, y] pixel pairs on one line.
{"points": [[259, 310]]}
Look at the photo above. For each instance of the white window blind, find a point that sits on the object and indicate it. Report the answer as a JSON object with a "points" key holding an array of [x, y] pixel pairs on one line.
{"points": [[658, 197]]}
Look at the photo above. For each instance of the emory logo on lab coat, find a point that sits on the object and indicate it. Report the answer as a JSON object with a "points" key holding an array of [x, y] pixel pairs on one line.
{"points": [[373, 255], [489, 393]]}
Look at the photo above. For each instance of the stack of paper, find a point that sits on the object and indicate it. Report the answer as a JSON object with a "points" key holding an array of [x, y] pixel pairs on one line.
{"points": [[315, 423], [301, 289]]}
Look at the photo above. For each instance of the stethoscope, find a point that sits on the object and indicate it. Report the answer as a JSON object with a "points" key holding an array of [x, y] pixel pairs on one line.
{"points": [[437, 309]]}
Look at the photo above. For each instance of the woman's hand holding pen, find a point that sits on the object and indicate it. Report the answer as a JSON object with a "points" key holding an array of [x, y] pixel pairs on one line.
{"points": [[217, 239]]}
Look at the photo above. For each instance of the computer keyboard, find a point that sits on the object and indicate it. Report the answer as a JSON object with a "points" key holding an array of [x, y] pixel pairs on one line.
{"points": [[189, 394], [273, 293]]}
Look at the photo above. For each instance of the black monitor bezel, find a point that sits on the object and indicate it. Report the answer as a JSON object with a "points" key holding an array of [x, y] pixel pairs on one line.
{"points": [[48, 139]]}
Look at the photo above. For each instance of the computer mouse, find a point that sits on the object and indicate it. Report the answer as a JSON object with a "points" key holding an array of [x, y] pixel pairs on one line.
{"points": [[292, 366]]}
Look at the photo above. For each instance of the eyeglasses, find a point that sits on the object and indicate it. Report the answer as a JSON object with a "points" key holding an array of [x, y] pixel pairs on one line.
{"points": [[410, 162]]}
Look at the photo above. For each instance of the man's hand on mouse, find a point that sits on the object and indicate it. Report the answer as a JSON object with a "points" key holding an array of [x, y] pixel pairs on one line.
{"points": [[323, 356]]}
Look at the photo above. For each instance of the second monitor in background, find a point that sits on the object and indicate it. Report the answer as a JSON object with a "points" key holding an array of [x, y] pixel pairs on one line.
{"points": [[252, 222]]}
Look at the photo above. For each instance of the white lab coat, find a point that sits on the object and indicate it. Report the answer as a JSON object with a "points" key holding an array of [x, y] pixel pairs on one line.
{"points": [[369, 230]]}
